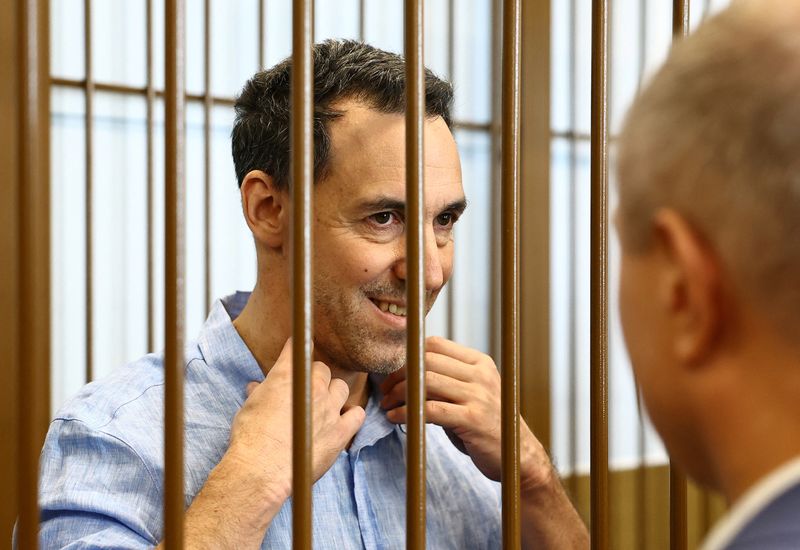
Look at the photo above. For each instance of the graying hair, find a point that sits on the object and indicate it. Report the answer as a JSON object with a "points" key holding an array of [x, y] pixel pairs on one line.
{"points": [[716, 137]]}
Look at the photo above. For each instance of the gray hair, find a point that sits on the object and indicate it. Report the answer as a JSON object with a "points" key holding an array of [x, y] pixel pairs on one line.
{"points": [[716, 137]]}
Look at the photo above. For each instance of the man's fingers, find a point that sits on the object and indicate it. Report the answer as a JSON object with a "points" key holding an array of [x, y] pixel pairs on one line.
{"points": [[321, 370], [437, 344], [391, 380], [339, 391], [446, 415], [437, 387], [350, 422], [284, 360], [450, 366]]}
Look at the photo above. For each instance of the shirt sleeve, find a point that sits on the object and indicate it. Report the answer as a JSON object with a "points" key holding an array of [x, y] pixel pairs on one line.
{"points": [[95, 491]]}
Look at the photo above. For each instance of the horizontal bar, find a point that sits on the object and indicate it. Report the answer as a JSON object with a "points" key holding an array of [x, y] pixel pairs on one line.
{"points": [[135, 90], [217, 100]]}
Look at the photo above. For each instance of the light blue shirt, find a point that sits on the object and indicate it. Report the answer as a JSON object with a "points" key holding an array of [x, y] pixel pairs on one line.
{"points": [[102, 467]]}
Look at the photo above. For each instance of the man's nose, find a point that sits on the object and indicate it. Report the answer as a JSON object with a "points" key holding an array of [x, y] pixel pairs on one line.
{"points": [[434, 270]]}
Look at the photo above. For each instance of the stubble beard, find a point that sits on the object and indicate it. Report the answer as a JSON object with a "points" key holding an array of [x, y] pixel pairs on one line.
{"points": [[354, 342]]}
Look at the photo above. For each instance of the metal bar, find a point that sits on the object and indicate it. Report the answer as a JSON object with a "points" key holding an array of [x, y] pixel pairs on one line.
{"points": [[362, 13], [599, 278], [573, 254], [509, 275], [150, 180], [451, 46], [680, 19], [302, 162], [261, 37], [472, 126], [89, 188], [642, 502], [135, 90], [33, 284], [678, 525], [677, 509], [534, 228], [496, 142], [415, 282], [207, 106], [571, 135], [174, 287], [222, 100]]}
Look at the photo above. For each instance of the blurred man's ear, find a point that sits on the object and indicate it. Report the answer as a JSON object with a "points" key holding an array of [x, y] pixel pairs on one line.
{"points": [[265, 208], [690, 286]]}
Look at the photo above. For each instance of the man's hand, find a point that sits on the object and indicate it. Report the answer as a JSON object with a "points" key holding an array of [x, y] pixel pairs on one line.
{"points": [[254, 478], [261, 435], [463, 396]]}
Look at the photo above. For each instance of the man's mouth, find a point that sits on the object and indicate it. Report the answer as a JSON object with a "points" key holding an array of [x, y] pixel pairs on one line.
{"points": [[390, 307]]}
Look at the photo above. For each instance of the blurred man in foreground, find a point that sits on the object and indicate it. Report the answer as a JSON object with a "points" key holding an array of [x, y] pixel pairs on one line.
{"points": [[709, 222]]}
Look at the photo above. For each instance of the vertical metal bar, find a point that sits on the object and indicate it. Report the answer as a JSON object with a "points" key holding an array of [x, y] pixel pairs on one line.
{"points": [[151, 96], [451, 69], [509, 273], [302, 162], [496, 143], [573, 253], [677, 509], [599, 278], [174, 287], [706, 9], [415, 282], [261, 34], [680, 19], [642, 502], [207, 106], [89, 187], [678, 528], [362, 14], [33, 259]]}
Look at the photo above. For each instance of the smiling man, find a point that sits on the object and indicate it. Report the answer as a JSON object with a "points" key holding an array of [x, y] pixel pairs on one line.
{"points": [[102, 464]]}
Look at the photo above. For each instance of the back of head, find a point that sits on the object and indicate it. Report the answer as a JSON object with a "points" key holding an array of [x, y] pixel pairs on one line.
{"points": [[343, 70], [716, 137]]}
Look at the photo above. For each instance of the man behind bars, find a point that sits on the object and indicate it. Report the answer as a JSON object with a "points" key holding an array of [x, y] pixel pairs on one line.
{"points": [[709, 221], [102, 464]]}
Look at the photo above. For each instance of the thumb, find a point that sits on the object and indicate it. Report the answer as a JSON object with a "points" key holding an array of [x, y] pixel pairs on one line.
{"points": [[284, 360], [350, 422]]}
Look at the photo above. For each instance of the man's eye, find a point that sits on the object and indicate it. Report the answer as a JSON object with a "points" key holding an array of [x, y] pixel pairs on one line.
{"points": [[382, 218], [446, 219]]}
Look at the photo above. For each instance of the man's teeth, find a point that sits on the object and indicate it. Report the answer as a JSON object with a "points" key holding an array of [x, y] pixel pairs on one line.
{"points": [[392, 308]]}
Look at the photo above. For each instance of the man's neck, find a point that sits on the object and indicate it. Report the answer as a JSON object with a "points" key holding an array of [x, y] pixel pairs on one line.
{"points": [[264, 325], [755, 426]]}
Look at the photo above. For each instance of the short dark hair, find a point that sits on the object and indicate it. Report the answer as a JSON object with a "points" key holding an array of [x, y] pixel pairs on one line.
{"points": [[343, 69]]}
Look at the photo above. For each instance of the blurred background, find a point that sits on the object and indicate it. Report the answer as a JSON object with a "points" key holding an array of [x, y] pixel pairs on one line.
{"points": [[107, 167]]}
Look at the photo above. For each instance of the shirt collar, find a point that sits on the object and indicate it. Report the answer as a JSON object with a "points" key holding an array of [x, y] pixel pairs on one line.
{"points": [[222, 347], [376, 426], [751, 503]]}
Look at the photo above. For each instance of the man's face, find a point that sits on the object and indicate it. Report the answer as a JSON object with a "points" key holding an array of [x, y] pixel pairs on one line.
{"points": [[359, 236]]}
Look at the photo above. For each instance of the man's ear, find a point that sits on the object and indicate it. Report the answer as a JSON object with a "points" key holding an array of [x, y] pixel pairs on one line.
{"points": [[265, 208], [690, 288]]}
